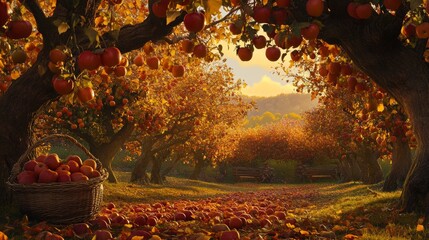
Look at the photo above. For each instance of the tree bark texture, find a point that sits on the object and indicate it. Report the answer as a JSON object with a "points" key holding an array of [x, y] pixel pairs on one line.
{"points": [[368, 164]]}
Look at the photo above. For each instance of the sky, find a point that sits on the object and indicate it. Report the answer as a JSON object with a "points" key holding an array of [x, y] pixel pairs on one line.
{"points": [[258, 73]]}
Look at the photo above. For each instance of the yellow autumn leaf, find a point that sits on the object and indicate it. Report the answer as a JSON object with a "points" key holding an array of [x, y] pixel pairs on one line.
{"points": [[212, 7], [63, 27], [351, 236], [380, 107], [172, 15], [137, 238], [15, 74], [304, 233], [420, 228], [155, 237]]}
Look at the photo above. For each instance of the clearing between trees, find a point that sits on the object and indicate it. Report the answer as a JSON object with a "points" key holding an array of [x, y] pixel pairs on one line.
{"points": [[188, 209]]}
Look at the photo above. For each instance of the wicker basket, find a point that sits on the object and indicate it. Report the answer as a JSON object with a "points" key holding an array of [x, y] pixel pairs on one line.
{"points": [[60, 203]]}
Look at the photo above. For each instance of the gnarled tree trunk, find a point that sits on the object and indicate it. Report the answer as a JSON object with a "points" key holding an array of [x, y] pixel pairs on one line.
{"points": [[375, 47], [401, 163], [139, 172]]}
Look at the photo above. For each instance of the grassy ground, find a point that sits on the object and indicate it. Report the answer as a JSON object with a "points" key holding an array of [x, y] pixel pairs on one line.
{"points": [[344, 206], [174, 189], [321, 210]]}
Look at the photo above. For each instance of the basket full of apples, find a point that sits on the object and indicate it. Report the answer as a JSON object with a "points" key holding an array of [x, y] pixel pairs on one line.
{"points": [[60, 191]]}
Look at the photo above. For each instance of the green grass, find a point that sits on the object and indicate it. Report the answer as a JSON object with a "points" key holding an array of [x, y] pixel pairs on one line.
{"points": [[373, 213], [174, 189]]}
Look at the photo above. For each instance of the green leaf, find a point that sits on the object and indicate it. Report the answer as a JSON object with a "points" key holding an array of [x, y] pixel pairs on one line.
{"points": [[91, 34]]}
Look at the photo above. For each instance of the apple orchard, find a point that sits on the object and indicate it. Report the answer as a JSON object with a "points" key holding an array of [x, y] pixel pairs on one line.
{"points": [[150, 75]]}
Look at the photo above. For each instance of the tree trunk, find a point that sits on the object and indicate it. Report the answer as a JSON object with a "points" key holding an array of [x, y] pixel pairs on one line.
{"points": [[346, 170], [356, 171], [416, 186], [18, 106], [375, 47], [155, 176], [401, 163], [370, 169], [106, 152], [139, 172], [198, 169], [168, 169]]}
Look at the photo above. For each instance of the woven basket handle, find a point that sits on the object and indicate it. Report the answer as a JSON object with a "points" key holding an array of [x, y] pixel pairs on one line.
{"points": [[17, 166]]}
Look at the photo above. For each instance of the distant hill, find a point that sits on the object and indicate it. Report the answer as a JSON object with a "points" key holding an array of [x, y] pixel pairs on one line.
{"points": [[282, 104]]}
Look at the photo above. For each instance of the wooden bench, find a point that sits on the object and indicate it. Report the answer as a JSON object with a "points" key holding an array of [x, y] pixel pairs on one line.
{"points": [[259, 174], [246, 173], [313, 173]]}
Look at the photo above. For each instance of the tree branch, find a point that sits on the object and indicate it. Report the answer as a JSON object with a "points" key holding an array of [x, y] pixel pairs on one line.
{"points": [[40, 17]]}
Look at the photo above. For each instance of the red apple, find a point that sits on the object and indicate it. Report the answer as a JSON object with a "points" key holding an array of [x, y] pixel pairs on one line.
{"points": [[63, 176], [81, 229], [351, 9], [314, 8], [152, 62], [259, 42], [235, 222], [244, 53], [279, 15], [364, 11], [74, 166], [179, 216], [111, 56], [52, 161], [392, 5], [63, 167], [27, 177], [40, 167], [103, 235], [141, 220], [310, 32], [75, 158], [262, 14], [47, 176], [272, 53], [200, 51], [230, 235], [194, 22], [85, 94], [41, 158], [29, 166], [78, 177], [86, 170]]}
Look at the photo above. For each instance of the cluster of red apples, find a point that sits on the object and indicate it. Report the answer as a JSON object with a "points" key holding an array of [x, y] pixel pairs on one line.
{"points": [[50, 168]]}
